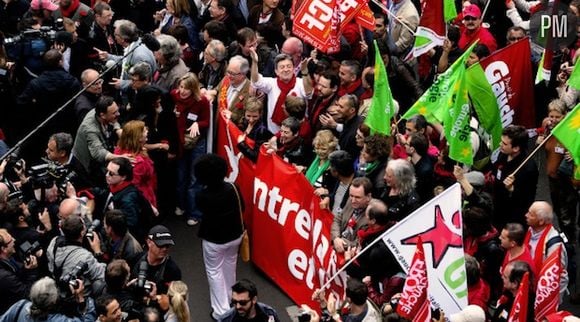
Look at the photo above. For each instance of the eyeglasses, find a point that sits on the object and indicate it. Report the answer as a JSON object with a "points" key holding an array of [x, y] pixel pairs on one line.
{"points": [[240, 302], [233, 74], [515, 38], [111, 174], [469, 18]]}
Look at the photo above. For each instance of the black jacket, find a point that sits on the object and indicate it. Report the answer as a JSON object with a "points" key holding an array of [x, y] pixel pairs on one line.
{"points": [[15, 283], [220, 206]]}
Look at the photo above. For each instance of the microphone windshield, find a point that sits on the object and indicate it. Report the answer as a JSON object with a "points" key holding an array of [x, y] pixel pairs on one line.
{"points": [[150, 42]]}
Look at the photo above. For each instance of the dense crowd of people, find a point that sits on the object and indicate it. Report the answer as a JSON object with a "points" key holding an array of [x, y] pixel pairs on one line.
{"points": [[83, 200]]}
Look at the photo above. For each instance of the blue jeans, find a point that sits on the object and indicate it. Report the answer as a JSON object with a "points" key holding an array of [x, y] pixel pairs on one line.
{"points": [[187, 185]]}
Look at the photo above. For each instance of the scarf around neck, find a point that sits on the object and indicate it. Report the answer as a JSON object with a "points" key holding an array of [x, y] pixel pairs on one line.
{"points": [[278, 115]]}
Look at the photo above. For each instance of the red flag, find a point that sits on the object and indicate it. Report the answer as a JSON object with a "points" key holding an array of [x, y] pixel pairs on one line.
{"points": [[509, 72], [366, 18], [414, 303], [548, 288], [519, 312], [317, 23]]}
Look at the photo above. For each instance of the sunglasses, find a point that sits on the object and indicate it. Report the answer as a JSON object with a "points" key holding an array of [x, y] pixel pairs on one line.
{"points": [[240, 302]]}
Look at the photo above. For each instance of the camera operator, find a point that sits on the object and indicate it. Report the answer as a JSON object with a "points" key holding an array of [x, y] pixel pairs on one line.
{"points": [[22, 223], [121, 244], [133, 296], [46, 304], [15, 282], [161, 269], [67, 168], [66, 252]]}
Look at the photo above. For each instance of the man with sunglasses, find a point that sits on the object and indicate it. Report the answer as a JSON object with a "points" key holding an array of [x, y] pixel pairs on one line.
{"points": [[473, 30], [245, 305], [160, 267]]}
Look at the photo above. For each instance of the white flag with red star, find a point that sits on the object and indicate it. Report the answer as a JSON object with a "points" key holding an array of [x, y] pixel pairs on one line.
{"points": [[439, 224]]}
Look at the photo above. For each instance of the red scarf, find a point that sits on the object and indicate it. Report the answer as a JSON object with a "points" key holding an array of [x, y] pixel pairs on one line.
{"points": [[349, 89], [363, 234], [539, 253], [118, 187], [69, 12], [278, 116]]}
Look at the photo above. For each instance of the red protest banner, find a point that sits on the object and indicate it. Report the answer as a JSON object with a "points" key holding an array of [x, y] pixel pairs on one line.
{"points": [[519, 312], [509, 71], [291, 239], [365, 17], [317, 23]]}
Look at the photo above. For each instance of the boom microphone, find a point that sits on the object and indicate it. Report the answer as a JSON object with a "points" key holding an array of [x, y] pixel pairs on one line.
{"points": [[150, 42]]}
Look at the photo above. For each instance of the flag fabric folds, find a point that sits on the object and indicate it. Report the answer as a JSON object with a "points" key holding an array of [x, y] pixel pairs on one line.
{"points": [[574, 79], [414, 303], [382, 106], [519, 312], [568, 133], [548, 286], [433, 103]]}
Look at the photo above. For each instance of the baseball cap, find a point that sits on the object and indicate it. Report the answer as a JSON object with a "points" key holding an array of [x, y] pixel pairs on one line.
{"points": [[43, 4], [471, 313], [472, 11], [161, 236]]}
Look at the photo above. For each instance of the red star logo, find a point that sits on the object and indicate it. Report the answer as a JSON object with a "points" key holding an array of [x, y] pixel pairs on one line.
{"points": [[439, 236]]}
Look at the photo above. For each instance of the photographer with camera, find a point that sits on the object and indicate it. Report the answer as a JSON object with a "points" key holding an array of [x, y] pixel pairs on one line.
{"points": [[156, 263], [63, 166], [134, 296], [65, 254], [15, 282], [46, 304]]}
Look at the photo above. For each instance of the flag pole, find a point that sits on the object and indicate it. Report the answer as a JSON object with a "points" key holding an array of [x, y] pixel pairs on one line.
{"points": [[531, 154], [382, 6], [485, 9], [343, 268]]}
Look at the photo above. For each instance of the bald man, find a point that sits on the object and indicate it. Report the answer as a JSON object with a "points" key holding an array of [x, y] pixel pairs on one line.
{"points": [[294, 48], [543, 239], [87, 100]]}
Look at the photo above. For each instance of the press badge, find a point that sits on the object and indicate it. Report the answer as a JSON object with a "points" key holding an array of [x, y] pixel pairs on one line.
{"points": [[559, 150], [192, 117], [498, 174]]}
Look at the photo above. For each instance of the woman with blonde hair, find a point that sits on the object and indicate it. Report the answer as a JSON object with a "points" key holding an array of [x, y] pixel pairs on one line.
{"points": [[192, 111], [176, 13], [178, 308], [318, 173], [132, 142]]}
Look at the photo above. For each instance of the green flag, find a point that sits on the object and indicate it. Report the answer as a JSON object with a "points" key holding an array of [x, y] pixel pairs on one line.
{"points": [[382, 106], [456, 123], [484, 103], [568, 133], [433, 103], [574, 79]]}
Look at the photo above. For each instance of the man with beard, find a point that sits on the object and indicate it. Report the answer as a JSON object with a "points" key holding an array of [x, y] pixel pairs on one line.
{"points": [[245, 305], [473, 30]]}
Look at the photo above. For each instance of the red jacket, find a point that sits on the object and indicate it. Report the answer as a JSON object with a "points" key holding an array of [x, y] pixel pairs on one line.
{"points": [[485, 38]]}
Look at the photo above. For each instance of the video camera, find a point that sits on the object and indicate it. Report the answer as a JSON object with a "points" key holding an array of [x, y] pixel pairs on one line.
{"points": [[47, 174], [32, 42]]}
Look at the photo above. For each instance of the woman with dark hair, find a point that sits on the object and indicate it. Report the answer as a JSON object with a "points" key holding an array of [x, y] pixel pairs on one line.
{"points": [[221, 229], [373, 160]]}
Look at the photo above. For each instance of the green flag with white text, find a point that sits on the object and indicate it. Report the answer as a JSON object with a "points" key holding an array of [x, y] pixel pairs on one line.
{"points": [[433, 103], [456, 122]]}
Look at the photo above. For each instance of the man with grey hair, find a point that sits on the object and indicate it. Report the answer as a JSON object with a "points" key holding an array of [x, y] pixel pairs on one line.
{"points": [[214, 66], [87, 100], [126, 35], [234, 89], [171, 66], [45, 301], [543, 239]]}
